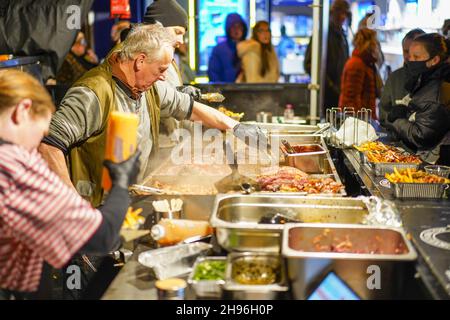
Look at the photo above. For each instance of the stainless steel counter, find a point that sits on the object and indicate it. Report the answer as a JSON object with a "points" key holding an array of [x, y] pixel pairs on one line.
{"points": [[135, 281]]}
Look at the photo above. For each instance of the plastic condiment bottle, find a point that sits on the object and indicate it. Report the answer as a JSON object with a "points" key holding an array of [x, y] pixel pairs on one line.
{"points": [[121, 140], [289, 112], [173, 231]]}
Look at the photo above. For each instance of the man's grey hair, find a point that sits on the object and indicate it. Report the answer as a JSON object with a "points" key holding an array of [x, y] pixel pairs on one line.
{"points": [[152, 40]]}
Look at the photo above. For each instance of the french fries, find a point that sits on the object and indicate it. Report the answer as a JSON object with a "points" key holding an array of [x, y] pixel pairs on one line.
{"points": [[391, 156], [379, 152], [133, 218], [373, 146], [414, 176], [230, 113]]}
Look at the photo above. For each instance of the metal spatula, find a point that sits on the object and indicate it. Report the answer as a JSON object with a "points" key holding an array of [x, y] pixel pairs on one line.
{"points": [[234, 181]]}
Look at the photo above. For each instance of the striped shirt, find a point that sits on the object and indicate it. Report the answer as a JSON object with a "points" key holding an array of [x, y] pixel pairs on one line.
{"points": [[41, 218]]}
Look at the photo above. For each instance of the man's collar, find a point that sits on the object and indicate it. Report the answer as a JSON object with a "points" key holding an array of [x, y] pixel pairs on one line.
{"points": [[126, 89]]}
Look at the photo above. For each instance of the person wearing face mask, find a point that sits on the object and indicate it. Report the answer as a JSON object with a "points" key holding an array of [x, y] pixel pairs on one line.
{"points": [[422, 120], [394, 89], [258, 57], [358, 82], [224, 64]]}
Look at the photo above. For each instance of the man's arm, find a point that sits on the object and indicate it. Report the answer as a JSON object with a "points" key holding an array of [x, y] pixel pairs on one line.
{"points": [[212, 118], [56, 161], [77, 118]]}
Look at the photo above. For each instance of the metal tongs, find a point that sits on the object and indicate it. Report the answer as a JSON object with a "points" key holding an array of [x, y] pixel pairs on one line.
{"points": [[139, 189], [212, 97], [288, 146]]}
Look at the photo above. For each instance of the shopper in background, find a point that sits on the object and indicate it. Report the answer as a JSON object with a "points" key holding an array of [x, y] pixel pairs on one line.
{"points": [[79, 60], [117, 29], [337, 53], [258, 57], [358, 83], [41, 218], [394, 89], [422, 122], [224, 64]]}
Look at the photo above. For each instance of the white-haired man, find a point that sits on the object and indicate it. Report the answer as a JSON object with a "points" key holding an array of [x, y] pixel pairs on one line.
{"points": [[124, 82]]}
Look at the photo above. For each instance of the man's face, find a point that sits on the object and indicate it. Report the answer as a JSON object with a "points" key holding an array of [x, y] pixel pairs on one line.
{"points": [[147, 73], [178, 32], [406, 45], [237, 31]]}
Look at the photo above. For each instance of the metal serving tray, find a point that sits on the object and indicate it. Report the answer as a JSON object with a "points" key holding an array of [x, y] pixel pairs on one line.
{"points": [[419, 190], [206, 288], [236, 217], [236, 291], [310, 254], [381, 168], [309, 162]]}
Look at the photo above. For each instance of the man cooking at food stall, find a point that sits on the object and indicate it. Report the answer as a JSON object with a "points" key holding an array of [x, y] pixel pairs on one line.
{"points": [[124, 82]]}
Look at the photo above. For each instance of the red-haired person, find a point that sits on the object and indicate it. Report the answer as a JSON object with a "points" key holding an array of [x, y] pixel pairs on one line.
{"points": [[358, 82], [41, 218]]}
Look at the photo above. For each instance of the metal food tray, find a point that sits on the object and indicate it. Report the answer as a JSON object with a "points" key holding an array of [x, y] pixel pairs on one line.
{"points": [[309, 162], [381, 168], [206, 288], [420, 190], [236, 291]]}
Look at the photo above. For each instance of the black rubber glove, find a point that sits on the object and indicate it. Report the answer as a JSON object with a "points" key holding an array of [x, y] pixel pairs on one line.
{"points": [[397, 112], [252, 132], [125, 173], [194, 92]]}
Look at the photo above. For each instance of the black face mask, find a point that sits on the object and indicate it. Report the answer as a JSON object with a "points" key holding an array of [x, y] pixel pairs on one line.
{"points": [[415, 70]]}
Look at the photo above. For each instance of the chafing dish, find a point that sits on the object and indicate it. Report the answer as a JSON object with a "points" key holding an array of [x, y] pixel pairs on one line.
{"points": [[236, 217], [264, 275], [354, 253]]}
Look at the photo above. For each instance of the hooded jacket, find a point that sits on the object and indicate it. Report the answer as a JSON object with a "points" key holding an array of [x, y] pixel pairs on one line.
{"points": [[224, 64], [428, 118], [249, 51]]}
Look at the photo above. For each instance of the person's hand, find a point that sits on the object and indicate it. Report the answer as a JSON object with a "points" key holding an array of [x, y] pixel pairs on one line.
{"points": [[254, 133], [194, 92], [397, 112], [124, 174]]}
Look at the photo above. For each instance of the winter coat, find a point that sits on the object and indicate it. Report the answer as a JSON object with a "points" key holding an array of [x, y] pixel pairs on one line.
{"points": [[428, 118], [358, 83], [224, 64], [249, 52], [393, 90], [337, 55]]}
